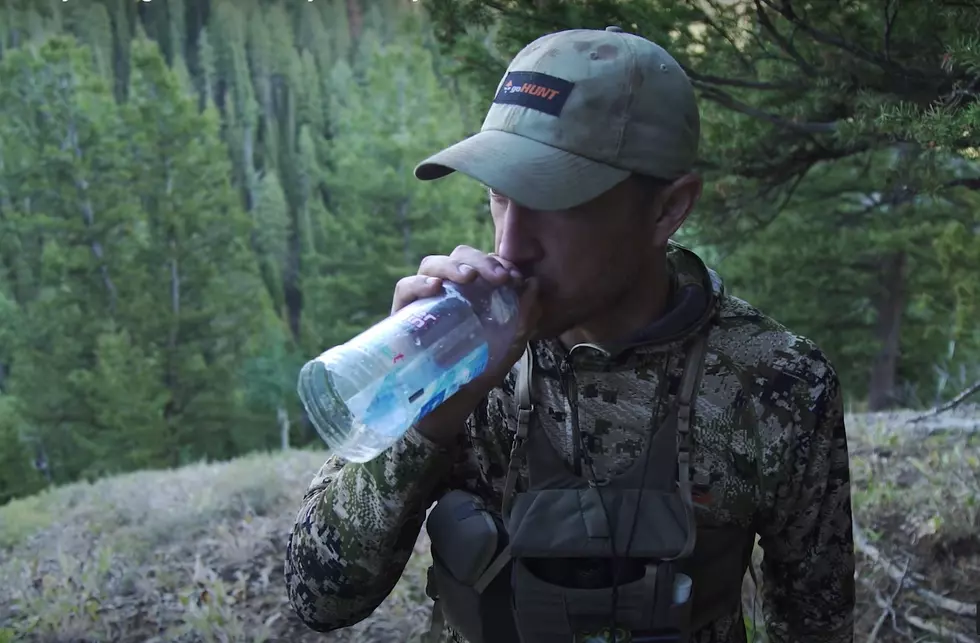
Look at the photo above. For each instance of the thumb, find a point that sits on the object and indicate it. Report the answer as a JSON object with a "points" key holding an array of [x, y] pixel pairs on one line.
{"points": [[529, 312]]}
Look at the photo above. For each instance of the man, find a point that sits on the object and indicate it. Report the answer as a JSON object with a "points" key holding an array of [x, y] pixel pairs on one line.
{"points": [[587, 152]]}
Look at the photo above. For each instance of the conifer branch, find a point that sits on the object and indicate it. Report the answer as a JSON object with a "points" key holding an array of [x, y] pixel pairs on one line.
{"points": [[785, 9], [727, 100]]}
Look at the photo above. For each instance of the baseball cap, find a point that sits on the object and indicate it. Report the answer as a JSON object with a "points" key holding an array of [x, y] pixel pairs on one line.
{"points": [[575, 114]]}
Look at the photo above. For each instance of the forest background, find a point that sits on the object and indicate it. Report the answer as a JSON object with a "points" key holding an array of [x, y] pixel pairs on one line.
{"points": [[198, 196]]}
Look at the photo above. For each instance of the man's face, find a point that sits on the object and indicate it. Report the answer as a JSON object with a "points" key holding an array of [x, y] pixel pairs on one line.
{"points": [[588, 258]]}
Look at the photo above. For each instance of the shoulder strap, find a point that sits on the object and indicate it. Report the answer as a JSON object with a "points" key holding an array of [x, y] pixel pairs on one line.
{"points": [[686, 395], [525, 409]]}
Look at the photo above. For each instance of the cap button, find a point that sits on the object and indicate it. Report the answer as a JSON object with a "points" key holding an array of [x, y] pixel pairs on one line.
{"points": [[615, 29]]}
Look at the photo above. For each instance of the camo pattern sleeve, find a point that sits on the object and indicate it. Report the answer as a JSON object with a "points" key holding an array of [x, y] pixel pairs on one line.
{"points": [[357, 529], [806, 537]]}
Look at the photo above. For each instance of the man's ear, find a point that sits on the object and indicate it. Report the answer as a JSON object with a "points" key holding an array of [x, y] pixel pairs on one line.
{"points": [[676, 202]]}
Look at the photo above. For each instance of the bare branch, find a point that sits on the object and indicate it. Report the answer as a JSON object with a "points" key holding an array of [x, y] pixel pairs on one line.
{"points": [[941, 602], [887, 605], [784, 44], [917, 622], [727, 100], [901, 196], [739, 82], [971, 390], [780, 168], [971, 183], [889, 24], [706, 19], [786, 11]]}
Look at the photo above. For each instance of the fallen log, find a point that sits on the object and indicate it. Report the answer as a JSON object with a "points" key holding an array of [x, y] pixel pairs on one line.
{"points": [[896, 573], [953, 403], [926, 626], [887, 608]]}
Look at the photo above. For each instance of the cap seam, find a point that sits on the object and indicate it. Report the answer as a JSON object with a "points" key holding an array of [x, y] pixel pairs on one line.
{"points": [[629, 96]]}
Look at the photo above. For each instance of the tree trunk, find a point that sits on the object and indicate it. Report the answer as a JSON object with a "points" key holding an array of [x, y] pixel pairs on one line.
{"points": [[890, 305], [41, 462], [355, 18], [283, 416], [88, 214]]}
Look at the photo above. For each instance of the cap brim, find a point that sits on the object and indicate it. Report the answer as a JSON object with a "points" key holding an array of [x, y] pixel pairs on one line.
{"points": [[537, 176]]}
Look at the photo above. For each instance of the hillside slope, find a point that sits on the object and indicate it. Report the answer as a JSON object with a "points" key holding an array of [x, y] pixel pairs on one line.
{"points": [[195, 554]]}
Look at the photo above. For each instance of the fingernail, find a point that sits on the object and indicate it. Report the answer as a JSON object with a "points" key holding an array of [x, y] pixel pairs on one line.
{"points": [[517, 275], [500, 270], [432, 280], [465, 268]]}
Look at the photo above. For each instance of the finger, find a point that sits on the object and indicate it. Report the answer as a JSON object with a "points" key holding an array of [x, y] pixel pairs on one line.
{"points": [[515, 272], [511, 351], [448, 268], [490, 267], [412, 288]]}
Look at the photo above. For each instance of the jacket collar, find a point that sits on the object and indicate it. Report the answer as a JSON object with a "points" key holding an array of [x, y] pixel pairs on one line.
{"points": [[696, 296]]}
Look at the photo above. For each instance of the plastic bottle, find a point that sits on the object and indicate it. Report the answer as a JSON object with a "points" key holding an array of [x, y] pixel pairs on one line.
{"points": [[682, 588], [362, 396]]}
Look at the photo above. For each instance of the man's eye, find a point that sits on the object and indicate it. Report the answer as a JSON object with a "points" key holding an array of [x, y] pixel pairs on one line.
{"points": [[496, 195]]}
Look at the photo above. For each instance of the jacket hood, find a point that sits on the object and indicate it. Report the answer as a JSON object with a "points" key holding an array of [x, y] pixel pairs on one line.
{"points": [[696, 295]]}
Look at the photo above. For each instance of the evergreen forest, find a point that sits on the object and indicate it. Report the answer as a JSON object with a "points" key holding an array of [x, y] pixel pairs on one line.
{"points": [[196, 196]]}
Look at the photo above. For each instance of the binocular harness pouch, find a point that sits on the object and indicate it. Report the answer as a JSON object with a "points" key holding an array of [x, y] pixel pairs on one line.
{"points": [[469, 549], [573, 560]]}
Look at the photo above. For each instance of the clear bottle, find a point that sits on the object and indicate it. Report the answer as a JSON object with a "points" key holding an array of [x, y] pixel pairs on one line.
{"points": [[362, 396]]}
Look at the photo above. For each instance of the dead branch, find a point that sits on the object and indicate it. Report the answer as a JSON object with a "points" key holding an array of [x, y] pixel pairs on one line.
{"points": [[952, 404], [948, 604], [887, 605], [727, 100], [917, 622], [740, 82], [889, 609], [786, 10], [783, 43]]}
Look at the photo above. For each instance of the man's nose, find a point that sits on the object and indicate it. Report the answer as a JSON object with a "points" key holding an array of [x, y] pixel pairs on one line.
{"points": [[515, 238]]}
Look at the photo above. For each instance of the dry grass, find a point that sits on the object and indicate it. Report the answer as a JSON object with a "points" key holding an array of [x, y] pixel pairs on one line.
{"points": [[196, 554], [187, 555], [917, 501]]}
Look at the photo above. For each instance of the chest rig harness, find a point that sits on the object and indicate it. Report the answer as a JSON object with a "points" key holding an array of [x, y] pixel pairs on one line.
{"points": [[576, 561]]}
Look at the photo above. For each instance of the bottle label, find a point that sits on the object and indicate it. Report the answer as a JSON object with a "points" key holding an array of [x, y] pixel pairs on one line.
{"points": [[409, 393], [430, 349], [454, 378]]}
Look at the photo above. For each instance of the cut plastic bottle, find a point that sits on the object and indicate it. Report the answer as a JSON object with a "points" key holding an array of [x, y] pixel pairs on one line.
{"points": [[362, 396]]}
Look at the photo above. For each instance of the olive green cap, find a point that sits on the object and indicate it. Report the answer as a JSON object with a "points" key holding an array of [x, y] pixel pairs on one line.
{"points": [[575, 114]]}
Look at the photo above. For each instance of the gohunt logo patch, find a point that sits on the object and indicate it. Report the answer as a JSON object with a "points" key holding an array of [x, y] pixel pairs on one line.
{"points": [[535, 91]]}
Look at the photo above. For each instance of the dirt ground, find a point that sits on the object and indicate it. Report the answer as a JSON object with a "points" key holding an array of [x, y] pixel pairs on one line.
{"points": [[196, 554]]}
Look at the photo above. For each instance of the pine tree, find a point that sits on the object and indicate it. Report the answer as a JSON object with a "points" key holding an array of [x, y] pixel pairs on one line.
{"points": [[63, 181], [383, 221], [202, 267], [806, 107]]}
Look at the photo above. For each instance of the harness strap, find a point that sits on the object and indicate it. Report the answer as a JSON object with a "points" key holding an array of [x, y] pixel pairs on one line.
{"points": [[437, 623], [693, 369], [690, 381], [491, 572], [525, 409]]}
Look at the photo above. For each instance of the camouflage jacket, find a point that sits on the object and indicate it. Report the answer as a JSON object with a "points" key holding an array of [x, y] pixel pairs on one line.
{"points": [[770, 456]]}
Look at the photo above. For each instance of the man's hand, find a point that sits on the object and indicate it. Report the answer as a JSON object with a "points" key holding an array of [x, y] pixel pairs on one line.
{"points": [[463, 266]]}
